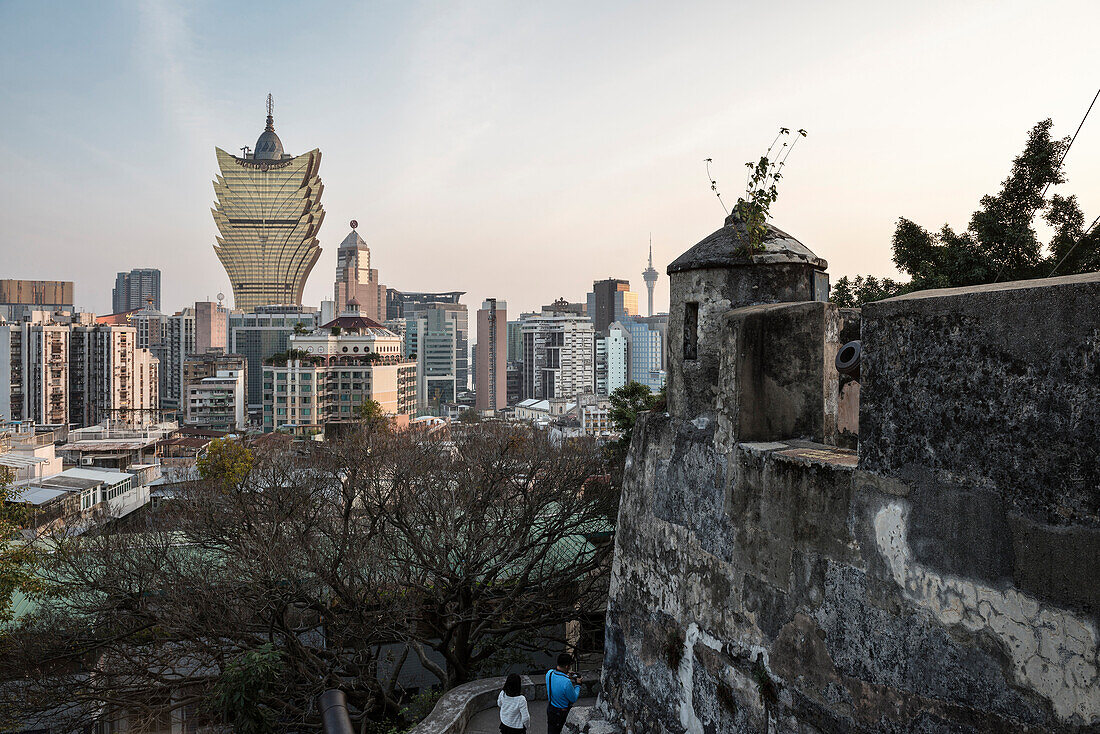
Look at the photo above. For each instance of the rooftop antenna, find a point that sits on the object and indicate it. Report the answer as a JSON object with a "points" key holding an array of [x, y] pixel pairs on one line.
{"points": [[270, 111]]}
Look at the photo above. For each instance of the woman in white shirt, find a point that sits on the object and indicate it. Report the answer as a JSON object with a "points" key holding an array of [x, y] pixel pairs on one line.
{"points": [[514, 716]]}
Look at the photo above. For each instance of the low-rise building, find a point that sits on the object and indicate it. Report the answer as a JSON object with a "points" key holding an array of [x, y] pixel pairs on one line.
{"points": [[75, 495], [115, 444], [219, 402]]}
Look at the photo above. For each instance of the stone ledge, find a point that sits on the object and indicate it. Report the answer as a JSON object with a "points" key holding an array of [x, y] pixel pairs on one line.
{"points": [[452, 713]]}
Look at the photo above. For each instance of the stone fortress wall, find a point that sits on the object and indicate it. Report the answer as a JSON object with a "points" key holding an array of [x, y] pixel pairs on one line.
{"points": [[943, 577]]}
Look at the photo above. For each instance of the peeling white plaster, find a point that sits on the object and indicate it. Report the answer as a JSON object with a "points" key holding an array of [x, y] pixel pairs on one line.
{"points": [[688, 718], [1053, 651]]}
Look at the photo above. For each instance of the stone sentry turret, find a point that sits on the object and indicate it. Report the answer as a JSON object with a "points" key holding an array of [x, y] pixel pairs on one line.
{"points": [[768, 578], [771, 347]]}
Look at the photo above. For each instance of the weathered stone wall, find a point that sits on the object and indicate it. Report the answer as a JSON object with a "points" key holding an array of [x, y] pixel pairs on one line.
{"points": [[692, 383], [947, 583]]}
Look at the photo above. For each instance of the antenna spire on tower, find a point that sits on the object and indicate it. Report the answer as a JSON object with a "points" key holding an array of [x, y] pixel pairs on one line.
{"points": [[270, 112]]}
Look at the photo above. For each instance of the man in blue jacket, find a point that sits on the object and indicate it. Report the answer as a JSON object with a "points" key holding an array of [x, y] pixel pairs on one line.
{"points": [[562, 691]]}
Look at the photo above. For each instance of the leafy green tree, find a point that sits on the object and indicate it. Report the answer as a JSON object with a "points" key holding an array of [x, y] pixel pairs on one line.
{"points": [[241, 693], [16, 555], [1000, 242], [626, 403], [370, 413], [853, 292], [226, 461]]}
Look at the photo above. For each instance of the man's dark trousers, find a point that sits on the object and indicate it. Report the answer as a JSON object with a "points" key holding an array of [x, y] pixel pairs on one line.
{"points": [[555, 719]]}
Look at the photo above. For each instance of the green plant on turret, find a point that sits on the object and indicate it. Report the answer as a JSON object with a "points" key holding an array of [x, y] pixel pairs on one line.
{"points": [[753, 209]]}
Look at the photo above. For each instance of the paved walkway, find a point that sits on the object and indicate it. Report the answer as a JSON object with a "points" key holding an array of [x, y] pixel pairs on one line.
{"points": [[488, 721]]}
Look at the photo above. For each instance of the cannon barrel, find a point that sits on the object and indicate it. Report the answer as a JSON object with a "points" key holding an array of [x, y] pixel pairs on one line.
{"points": [[847, 359]]}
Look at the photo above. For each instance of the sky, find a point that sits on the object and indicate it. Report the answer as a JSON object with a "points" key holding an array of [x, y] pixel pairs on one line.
{"points": [[520, 150]]}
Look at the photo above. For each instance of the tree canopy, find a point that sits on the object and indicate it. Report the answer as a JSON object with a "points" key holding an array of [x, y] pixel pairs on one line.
{"points": [[279, 574], [1000, 243]]}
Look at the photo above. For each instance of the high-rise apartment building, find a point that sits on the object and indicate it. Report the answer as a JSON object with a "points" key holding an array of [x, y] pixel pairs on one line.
{"points": [[76, 374], [211, 326], [262, 334], [268, 213], [20, 298], [611, 300], [649, 275], [612, 359], [338, 367], [356, 280], [34, 373], [181, 343], [559, 352], [491, 382], [110, 377], [136, 289], [154, 332]]}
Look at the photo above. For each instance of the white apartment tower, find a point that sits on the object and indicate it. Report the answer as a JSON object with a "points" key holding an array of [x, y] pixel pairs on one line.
{"points": [[559, 356]]}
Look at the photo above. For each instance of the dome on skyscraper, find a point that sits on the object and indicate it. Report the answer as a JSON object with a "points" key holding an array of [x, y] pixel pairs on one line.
{"points": [[268, 145]]}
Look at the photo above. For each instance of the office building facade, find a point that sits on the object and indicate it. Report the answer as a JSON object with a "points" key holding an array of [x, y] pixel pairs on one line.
{"points": [[264, 333], [410, 306], [647, 350], [431, 335], [20, 298], [356, 280], [491, 382], [611, 300]]}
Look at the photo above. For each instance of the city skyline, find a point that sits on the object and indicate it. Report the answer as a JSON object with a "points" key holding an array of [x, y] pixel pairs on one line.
{"points": [[452, 137]]}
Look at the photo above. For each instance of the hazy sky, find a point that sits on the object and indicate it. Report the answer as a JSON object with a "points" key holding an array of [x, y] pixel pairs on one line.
{"points": [[519, 149]]}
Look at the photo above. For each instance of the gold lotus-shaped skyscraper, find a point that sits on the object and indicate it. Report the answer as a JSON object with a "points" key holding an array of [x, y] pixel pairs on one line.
{"points": [[268, 213]]}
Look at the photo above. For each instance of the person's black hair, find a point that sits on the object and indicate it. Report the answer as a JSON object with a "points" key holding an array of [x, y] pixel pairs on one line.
{"points": [[565, 660], [513, 686]]}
